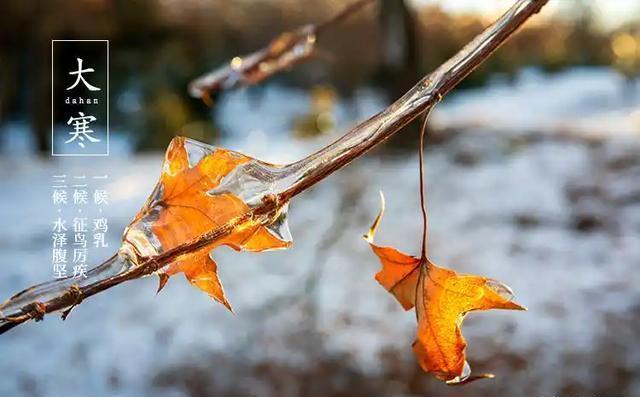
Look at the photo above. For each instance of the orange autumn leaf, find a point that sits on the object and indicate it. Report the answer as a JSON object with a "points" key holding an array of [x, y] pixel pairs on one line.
{"points": [[441, 298], [202, 272], [183, 208]]}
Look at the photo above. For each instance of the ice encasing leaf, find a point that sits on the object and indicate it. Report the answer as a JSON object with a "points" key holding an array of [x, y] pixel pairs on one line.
{"points": [[200, 190]]}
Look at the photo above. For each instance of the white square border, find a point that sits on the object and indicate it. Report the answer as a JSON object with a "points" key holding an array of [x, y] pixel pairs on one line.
{"points": [[53, 154]]}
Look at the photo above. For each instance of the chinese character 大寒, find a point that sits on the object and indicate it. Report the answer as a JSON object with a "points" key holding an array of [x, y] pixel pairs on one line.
{"points": [[80, 78], [81, 130]]}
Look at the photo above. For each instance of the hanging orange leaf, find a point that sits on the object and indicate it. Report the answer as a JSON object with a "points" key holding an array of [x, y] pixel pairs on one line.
{"points": [[184, 207], [441, 298]]}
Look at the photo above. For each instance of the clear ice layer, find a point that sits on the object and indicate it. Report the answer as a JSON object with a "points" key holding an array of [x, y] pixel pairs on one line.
{"points": [[250, 181], [56, 288]]}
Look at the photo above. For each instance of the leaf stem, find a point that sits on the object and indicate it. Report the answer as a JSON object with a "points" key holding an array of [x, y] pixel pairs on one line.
{"points": [[422, 97], [423, 204]]}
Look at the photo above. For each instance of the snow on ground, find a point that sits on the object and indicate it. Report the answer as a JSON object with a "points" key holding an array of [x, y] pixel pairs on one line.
{"points": [[557, 219], [588, 101]]}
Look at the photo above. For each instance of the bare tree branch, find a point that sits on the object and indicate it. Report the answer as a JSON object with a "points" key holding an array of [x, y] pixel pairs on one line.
{"points": [[283, 52], [300, 175]]}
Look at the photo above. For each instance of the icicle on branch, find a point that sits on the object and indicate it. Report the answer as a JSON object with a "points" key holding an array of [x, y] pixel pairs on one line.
{"points": [[283, 52], [207, 196]]}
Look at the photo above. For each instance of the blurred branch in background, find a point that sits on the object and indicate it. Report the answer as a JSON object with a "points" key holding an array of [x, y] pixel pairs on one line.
{"points": [[158, 46], [282, 53]]}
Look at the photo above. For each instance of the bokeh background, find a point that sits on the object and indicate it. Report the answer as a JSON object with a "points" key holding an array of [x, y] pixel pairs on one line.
{"points": [[533, 178]]}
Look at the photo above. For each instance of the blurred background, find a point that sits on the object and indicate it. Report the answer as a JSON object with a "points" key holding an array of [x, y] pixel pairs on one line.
{"points": [[533, 178]]}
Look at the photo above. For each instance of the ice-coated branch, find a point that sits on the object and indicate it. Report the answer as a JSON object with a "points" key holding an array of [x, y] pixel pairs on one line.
{"points": [[283, 52], [35, 302], [423, 96]]}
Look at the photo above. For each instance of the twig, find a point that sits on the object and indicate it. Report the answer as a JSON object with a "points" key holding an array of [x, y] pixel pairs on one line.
{"points": [[342, 15], [424, 95], [313, 169], [283, 52]]}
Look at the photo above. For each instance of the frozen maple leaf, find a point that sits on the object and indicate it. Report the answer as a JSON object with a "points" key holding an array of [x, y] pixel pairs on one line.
{"points": [[441, 298], [188, 203]]}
